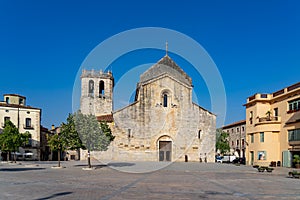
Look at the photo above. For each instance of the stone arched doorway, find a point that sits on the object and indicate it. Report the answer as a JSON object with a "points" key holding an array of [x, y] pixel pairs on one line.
{"points": [[164, 149]]}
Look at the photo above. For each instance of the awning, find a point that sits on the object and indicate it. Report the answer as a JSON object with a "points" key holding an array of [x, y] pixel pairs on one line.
{"points": [[295, 148], [294, 118]]}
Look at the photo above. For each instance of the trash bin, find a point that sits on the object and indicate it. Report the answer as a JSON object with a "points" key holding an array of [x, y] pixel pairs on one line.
{"points": [[278, 163]]}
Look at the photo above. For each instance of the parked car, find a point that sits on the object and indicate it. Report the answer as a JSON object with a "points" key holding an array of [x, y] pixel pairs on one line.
{"points": [[219, 159], [239, 160], [228, 159]]}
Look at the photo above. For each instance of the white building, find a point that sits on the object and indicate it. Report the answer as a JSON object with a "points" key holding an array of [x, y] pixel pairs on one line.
{"points": [[26, 119]]}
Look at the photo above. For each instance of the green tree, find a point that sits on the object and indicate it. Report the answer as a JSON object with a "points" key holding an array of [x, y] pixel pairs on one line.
{"points": [[70, 135], [57, 143], [11, 139], [93, 136], [107, 132], [66, 139], [222, 141]]}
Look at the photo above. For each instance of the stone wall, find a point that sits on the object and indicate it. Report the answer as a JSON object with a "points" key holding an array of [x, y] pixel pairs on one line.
{"points": [[163, 113], [140, 126], [96, 103]]}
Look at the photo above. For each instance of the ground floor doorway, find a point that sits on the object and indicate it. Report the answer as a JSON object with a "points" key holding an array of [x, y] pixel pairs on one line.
{"points": [[251, 157], [165, 151]]}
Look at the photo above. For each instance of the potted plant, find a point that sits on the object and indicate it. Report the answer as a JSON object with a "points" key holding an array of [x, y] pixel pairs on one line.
{"points": [[294, 174], [296, 160], [261, 169], [270, 169], [268, 113]]}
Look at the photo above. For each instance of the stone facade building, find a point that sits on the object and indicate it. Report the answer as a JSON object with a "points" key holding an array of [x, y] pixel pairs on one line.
{"points": [[26, 119], [162, 124], [237, 138]]}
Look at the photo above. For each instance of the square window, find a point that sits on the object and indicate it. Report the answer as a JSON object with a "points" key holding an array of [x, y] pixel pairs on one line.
{"points": [[6, 119], [262, 137], [28, 122]]}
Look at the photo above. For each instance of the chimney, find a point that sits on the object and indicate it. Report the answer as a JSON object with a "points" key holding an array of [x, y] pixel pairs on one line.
{"points": [[52, 127]]}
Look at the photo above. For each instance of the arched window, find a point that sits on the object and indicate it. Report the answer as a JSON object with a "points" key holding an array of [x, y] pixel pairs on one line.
{"points": [[91, 87], [101, 89], [165, 97]]}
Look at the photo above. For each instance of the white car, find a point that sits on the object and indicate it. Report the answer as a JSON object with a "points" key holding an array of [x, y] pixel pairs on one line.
{"points": [[219, 159]]}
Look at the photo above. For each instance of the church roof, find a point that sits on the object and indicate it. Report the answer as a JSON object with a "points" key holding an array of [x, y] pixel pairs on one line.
{"points": [[105, 118], [166, 66]]}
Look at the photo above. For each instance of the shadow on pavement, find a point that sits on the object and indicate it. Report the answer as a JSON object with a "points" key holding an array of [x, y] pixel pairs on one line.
{"points": [[97, 166], [19, 169], [121, 164], [55, 195]]}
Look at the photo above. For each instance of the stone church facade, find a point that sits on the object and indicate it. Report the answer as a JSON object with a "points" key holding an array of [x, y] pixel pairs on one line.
{"points": [[162, 124]]}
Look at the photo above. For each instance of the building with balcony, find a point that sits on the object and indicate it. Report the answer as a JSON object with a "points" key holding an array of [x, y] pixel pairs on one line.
{"points": [[26, 119], [273, 126], [237, 138]]}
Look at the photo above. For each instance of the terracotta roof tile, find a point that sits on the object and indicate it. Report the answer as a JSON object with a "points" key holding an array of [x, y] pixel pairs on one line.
{"points": [[235, 124], [105, 118]]}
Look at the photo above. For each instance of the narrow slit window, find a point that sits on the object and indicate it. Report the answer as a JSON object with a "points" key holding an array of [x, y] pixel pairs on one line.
{"points": [[199, 134], [165, 100]]}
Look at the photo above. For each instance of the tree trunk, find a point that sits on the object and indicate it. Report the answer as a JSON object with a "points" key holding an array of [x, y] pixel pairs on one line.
{"points": [[89, 159], [58, 157], [15, 158], [78, 154]]}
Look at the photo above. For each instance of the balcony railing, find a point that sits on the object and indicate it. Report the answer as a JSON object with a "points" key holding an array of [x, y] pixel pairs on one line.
{"points": [[292, 111], [278, 93], [28, 127], [252, 98], [268, 119], [274, 94], [293, 87]]}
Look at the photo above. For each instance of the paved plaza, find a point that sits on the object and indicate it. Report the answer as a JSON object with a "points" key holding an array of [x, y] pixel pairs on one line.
{"points": [[38, 180]]}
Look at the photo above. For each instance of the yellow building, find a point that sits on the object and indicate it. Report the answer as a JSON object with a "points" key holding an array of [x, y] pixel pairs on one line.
{"points": [[273, 127]]}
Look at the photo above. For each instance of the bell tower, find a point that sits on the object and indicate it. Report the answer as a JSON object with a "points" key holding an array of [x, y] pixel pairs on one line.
{"points": [[96, 92]]}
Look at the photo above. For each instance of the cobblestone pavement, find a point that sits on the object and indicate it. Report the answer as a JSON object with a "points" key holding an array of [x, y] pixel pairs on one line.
{"points": [[38, 180]]}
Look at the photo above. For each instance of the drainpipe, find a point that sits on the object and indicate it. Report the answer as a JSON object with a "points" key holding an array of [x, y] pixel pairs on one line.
{"points": [[240, 141], [18, 118]]}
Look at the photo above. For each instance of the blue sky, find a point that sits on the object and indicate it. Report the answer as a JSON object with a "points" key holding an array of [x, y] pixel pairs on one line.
{"points": [[255, 45]]}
